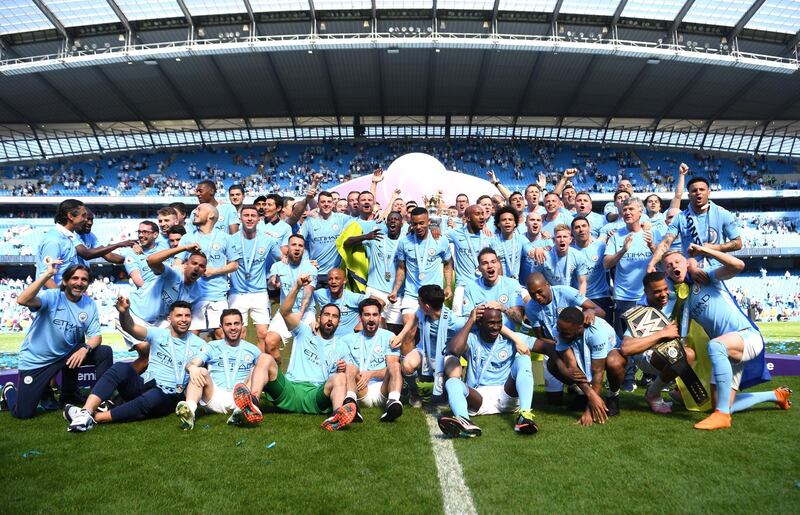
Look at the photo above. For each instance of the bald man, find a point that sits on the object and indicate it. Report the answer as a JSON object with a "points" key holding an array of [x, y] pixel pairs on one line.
{"points": [[223, 256], [468, 241]]}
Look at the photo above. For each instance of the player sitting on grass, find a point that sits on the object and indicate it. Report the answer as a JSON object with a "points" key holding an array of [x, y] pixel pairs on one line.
{"points": [[156, 392], [315, 382], [640, 350], [588, 350], [230, 361], [64, 334], [499, 375], [373, 365], [736, 349]]}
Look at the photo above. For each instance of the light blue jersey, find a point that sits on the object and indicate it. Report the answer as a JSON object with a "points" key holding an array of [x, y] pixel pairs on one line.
{"points": [[320, 235], [423, 260], [162, 242], [151, 302], [168, 358], [305, 364], [512, 250], [227, 217], [228, 365], [381, 254], [562, 270], [134, 262], [57, 243], [59, 326], [278, 231], [369, 353], [256, 258], [563, 216], [506, 291], [466, 247], [527, 264], [716, 225], [597, 286], [632, 267], [287, 277], [220, 248], [596, 222], [348, 307], [546, 316], [489, 364], [595, 343], [89, 241], [714, 308], [367, 225]]}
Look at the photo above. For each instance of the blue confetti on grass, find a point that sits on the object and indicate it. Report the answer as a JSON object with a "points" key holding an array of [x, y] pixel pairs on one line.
{"points": [[32, 454], [271, 445], [206, 426], [240, 443]]}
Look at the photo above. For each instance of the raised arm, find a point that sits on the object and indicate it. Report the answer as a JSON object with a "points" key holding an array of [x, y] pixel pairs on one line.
{"points": [[505, 192], [28, 297], [458, 344], [676, 199], [569, 173], [731, 265], [128, 325], [306, 202], [292, 319], [352, 241], [156, 260]]}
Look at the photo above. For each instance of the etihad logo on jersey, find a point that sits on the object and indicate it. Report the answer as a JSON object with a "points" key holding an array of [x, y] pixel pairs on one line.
{"points": [[163, 357], [637, 256]]}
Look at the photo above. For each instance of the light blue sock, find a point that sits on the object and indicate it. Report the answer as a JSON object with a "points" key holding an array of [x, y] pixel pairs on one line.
{"points": [[746, 400], [457, 397], [723, 374], [523, 376]]}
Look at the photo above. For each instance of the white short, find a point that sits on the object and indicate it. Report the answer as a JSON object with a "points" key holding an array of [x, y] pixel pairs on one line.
{"points": [[373, 398], [551, 384], [205, 314], [408, 304], [495, 400], [642, 362], [129, 339], [458, 301], [753, 345], [221, 401], [277, 325], [391, 312], [256, 305]]}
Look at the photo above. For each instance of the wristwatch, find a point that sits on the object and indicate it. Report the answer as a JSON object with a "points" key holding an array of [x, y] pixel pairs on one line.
{"points": [[87, 347]]}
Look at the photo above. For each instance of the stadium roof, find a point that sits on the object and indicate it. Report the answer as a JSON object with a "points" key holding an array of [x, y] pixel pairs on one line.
{"points": [[723, 70]]}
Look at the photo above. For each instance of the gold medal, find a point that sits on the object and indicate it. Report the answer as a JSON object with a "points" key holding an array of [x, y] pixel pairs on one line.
{"points": [[682, 291]]}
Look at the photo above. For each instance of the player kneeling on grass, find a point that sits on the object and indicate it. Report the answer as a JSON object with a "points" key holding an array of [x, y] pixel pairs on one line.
{"points": [[230, 361], [588, 351], [499, 375], [373, 369], [315, 382], [156, 392], [641, 350]]}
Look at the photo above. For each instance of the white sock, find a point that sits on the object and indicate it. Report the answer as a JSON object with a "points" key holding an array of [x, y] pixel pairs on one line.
{"points": [[192, 405], [351, 394], [613, 394], [394, 396]]}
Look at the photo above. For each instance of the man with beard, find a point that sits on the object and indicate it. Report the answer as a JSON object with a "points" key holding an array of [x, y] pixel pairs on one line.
{"points": [[583, 208], [499, 375], [555, 214], [227, 220], [59, 243], [381, 250], [535, 248], [216, 370], [736, 348], [248, 291], [495, 291], [373, 365], [320, 235], [598, 289], [64, 335], [223, 257], [703, 223], [270, 208], [315, 382], [152, 394], [566, 190], [346, 300], [467, 242], [284, 276]]}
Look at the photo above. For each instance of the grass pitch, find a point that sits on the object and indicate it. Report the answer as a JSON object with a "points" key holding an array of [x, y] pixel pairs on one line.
{"points": [[637, 463]]}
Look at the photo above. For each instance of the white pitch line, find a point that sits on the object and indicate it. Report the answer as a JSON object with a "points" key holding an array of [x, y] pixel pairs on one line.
{"points": [[456, 496]]}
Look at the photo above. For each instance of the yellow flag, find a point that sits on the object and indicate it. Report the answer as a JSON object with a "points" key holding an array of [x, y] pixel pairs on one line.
{"points": [[354, 259]]}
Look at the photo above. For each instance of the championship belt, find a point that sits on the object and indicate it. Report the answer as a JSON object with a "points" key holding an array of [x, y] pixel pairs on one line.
{"points": [[644, 321]]}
